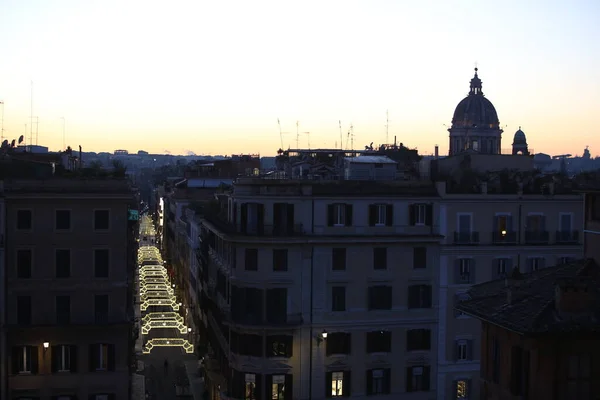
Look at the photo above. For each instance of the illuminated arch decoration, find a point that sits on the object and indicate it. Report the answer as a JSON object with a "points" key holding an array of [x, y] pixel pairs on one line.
{"points": [[157, 295], [165, 324], [150, 268], [153, 280], [171, 302], [160, 316], [156, 287], [155, 274], [168, 342]]}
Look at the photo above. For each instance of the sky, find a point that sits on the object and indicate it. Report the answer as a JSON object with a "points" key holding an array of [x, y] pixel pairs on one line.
{"points": [[214, 77]]}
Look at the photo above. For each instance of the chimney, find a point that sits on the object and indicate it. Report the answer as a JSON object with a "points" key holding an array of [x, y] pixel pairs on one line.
{"points": [[573, 298], [437, 152]]}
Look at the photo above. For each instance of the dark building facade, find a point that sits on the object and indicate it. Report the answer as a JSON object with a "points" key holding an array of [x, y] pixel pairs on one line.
{"points": [[69, 279]]}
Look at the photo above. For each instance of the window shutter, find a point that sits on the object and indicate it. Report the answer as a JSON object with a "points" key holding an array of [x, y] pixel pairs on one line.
{"points": [[409, 379], [34, 352], [469, 349], [372, 211], [259, 389], [427, 338], [73, 360], [412, 296], [16, 353], [426, 377], [348, 215], [330, 210], [328, 378], [244, 218], [260, 218], [369, 381], [457, 263], [93, 357], [290, 218], [386, 381], [472, 270], [455, 389], [389, 215], [54, 358], [412, 215], [509, 224], [111, 357], [289, 387], [347, 387], [429, 215], [495, 224], [371, 297], [455, 356], [348, 342]]}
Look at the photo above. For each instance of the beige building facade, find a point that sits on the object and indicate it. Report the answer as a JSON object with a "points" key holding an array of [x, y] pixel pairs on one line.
{"points": [[72, 248], [317, 290], [485, 237]]}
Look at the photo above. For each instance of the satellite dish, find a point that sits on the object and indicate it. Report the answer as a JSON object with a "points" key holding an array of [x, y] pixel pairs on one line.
{"points": [[12, 144], [21, 139]]}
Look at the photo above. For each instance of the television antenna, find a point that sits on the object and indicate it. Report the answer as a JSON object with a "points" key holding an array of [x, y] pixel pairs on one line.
{"points": [[308, 138], [2, 128], [341, 137], [387, 127], [281, 133]]}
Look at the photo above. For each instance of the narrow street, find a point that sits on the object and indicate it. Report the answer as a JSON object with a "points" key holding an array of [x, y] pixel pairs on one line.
{"points": [[167, 368]]}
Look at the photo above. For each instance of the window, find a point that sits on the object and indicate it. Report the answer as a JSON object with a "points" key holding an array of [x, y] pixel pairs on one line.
{"points": [[64, 358], [101, 308], [417, 379], [381, 215], [566, 227], [101, 220], [419, 296], [277, 387], [338, 298], [420, 214], [519, 371], [338, 259], [379, 342], [252, 218], [276, 305], [380, 297], [566, 260], [339, 214], [102, 357], [462, 389], [280, 346], [419, 257], [101, 263], [25, 360], [464, 224], [465, 270], [280, 260], [251, 260], [418, 339], [463, 350], [250, 387], [62, 220], [338, 384], [24, 220], [380, 258], [579, 376], [501, 268], [378, 381], [24, 310], [63, 310], [535, 263], [24, 263], [62, 261], [502, 225], [536, 223], [338, 343]]}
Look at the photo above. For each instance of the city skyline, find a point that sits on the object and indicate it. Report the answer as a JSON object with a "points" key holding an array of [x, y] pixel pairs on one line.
{"points": [[216, 78]]}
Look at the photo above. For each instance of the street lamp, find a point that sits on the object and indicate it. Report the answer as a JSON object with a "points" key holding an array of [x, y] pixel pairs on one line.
{"points": [[46, 345]]}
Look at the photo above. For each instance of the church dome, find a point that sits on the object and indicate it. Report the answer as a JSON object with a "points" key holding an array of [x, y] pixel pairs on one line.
{"points": [[475, 109], [519, 137]]}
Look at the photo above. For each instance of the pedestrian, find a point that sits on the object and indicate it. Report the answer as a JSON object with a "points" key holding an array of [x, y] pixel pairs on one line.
{"points": [[166, 366]]}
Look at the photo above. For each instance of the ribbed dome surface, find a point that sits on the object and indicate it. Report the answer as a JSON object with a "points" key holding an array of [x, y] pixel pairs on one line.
{"points": [[519, 136], [475, 109]]}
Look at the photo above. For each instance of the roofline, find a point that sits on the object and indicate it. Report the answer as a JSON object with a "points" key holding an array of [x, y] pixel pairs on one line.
{"points": [[479, 317]]}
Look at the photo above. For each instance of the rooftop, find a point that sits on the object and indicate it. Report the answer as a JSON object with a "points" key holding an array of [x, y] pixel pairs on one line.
{"points": [[59, 185], [527, 304]]}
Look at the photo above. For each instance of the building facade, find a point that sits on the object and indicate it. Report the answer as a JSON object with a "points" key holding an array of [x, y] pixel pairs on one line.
{"points": [[486, 235], [69, 273], [316, 290]]}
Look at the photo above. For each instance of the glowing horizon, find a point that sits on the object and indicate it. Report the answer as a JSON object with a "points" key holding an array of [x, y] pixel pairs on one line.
{"points": [[214, 77]]}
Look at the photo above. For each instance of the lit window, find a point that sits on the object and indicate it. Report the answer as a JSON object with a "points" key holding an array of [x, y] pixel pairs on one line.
{"points": [[250, 389], [337, 384], [462, 389], [278, 387]]}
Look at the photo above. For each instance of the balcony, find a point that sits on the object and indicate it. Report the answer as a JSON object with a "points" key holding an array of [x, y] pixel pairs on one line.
{"points": [[256, 230], [567, 237], [537, 237], [504, 237], [466, 238]]}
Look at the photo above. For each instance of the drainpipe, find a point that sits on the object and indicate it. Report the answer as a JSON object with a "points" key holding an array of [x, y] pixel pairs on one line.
{"points": [[312, 251]]}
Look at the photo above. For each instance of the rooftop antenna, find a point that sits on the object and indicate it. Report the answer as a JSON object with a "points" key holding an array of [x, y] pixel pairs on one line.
{"points": [[37, 129], [307, 138], [2, 128], [31, 117], [341, 137], [297, 134], [387, 126], [351, 133]]}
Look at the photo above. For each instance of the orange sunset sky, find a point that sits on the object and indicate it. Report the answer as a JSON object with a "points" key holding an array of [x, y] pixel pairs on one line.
{"points": [[213, 77]]}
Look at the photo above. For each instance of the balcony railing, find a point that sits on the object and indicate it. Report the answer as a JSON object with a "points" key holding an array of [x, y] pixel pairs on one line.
{"points": [[466, 238], [567, 237], [504, 237], [537, 237]]}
